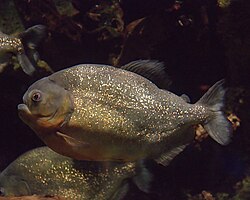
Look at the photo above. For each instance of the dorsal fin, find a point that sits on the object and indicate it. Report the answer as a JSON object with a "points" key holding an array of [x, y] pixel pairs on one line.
{"points": [[150, 69]]}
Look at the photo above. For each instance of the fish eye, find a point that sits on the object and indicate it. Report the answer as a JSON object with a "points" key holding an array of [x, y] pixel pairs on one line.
{"points": [[36, 97], [2, 192]]}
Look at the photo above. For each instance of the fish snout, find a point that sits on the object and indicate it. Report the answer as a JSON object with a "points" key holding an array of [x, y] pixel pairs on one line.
{"points": [[23, 110], [22, 107]]}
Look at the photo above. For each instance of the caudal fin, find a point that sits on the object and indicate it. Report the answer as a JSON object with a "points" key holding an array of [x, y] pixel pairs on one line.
{"points": [[33, 35], [218, 126], [30, 39]]}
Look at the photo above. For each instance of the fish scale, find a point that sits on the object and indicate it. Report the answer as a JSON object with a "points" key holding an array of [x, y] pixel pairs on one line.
{"points": [[43, 172], [116, 114], [13, 44]]}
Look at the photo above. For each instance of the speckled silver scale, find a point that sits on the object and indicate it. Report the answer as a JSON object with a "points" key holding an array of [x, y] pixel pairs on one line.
{"points": [[123, 114], [44, 172], [102, 113], [12, 44]]}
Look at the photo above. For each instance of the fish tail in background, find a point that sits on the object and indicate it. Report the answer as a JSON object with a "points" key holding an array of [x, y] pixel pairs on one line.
{"points": [[30, 40], [25, 63], [35, 34], [218, 127]]}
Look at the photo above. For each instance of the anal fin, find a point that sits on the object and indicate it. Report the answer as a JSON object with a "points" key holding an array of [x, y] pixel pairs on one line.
{"points": [[168, 156]]}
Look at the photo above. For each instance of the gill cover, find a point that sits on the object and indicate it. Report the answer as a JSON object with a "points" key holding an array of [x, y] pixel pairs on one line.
{"points": [[49, 104], [13, 186]]}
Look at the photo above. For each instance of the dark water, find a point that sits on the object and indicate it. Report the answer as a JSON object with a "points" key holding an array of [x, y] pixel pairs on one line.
{"points": [[199, 43]]}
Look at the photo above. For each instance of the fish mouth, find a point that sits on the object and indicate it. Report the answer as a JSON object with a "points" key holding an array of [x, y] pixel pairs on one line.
{"points": [[23, 111], [23, 108]]}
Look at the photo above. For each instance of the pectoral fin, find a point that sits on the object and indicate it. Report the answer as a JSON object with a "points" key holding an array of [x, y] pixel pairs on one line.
{"points": [[72, 141], [121, 192], [143, 177], [167, 157]]}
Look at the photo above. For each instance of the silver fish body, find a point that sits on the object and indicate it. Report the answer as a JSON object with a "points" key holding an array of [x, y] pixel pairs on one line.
{"points": [[99, 112], [10, 43], [41, 171]]}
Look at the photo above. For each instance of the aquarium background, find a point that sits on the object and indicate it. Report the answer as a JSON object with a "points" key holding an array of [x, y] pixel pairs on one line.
{"points": [[200, 42]]}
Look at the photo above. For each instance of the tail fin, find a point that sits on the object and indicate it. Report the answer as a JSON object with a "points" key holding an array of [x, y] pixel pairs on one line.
{"points": [[30, 40], [218, 127], [34, 35]]}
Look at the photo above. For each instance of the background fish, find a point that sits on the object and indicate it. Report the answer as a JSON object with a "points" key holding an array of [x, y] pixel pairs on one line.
{"points": [[98, 112], [24, 46], [43, 172]]}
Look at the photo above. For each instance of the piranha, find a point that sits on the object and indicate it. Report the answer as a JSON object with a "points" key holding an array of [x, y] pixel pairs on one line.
{"points": [[23, 46], [99, 112], [42, 171]]}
